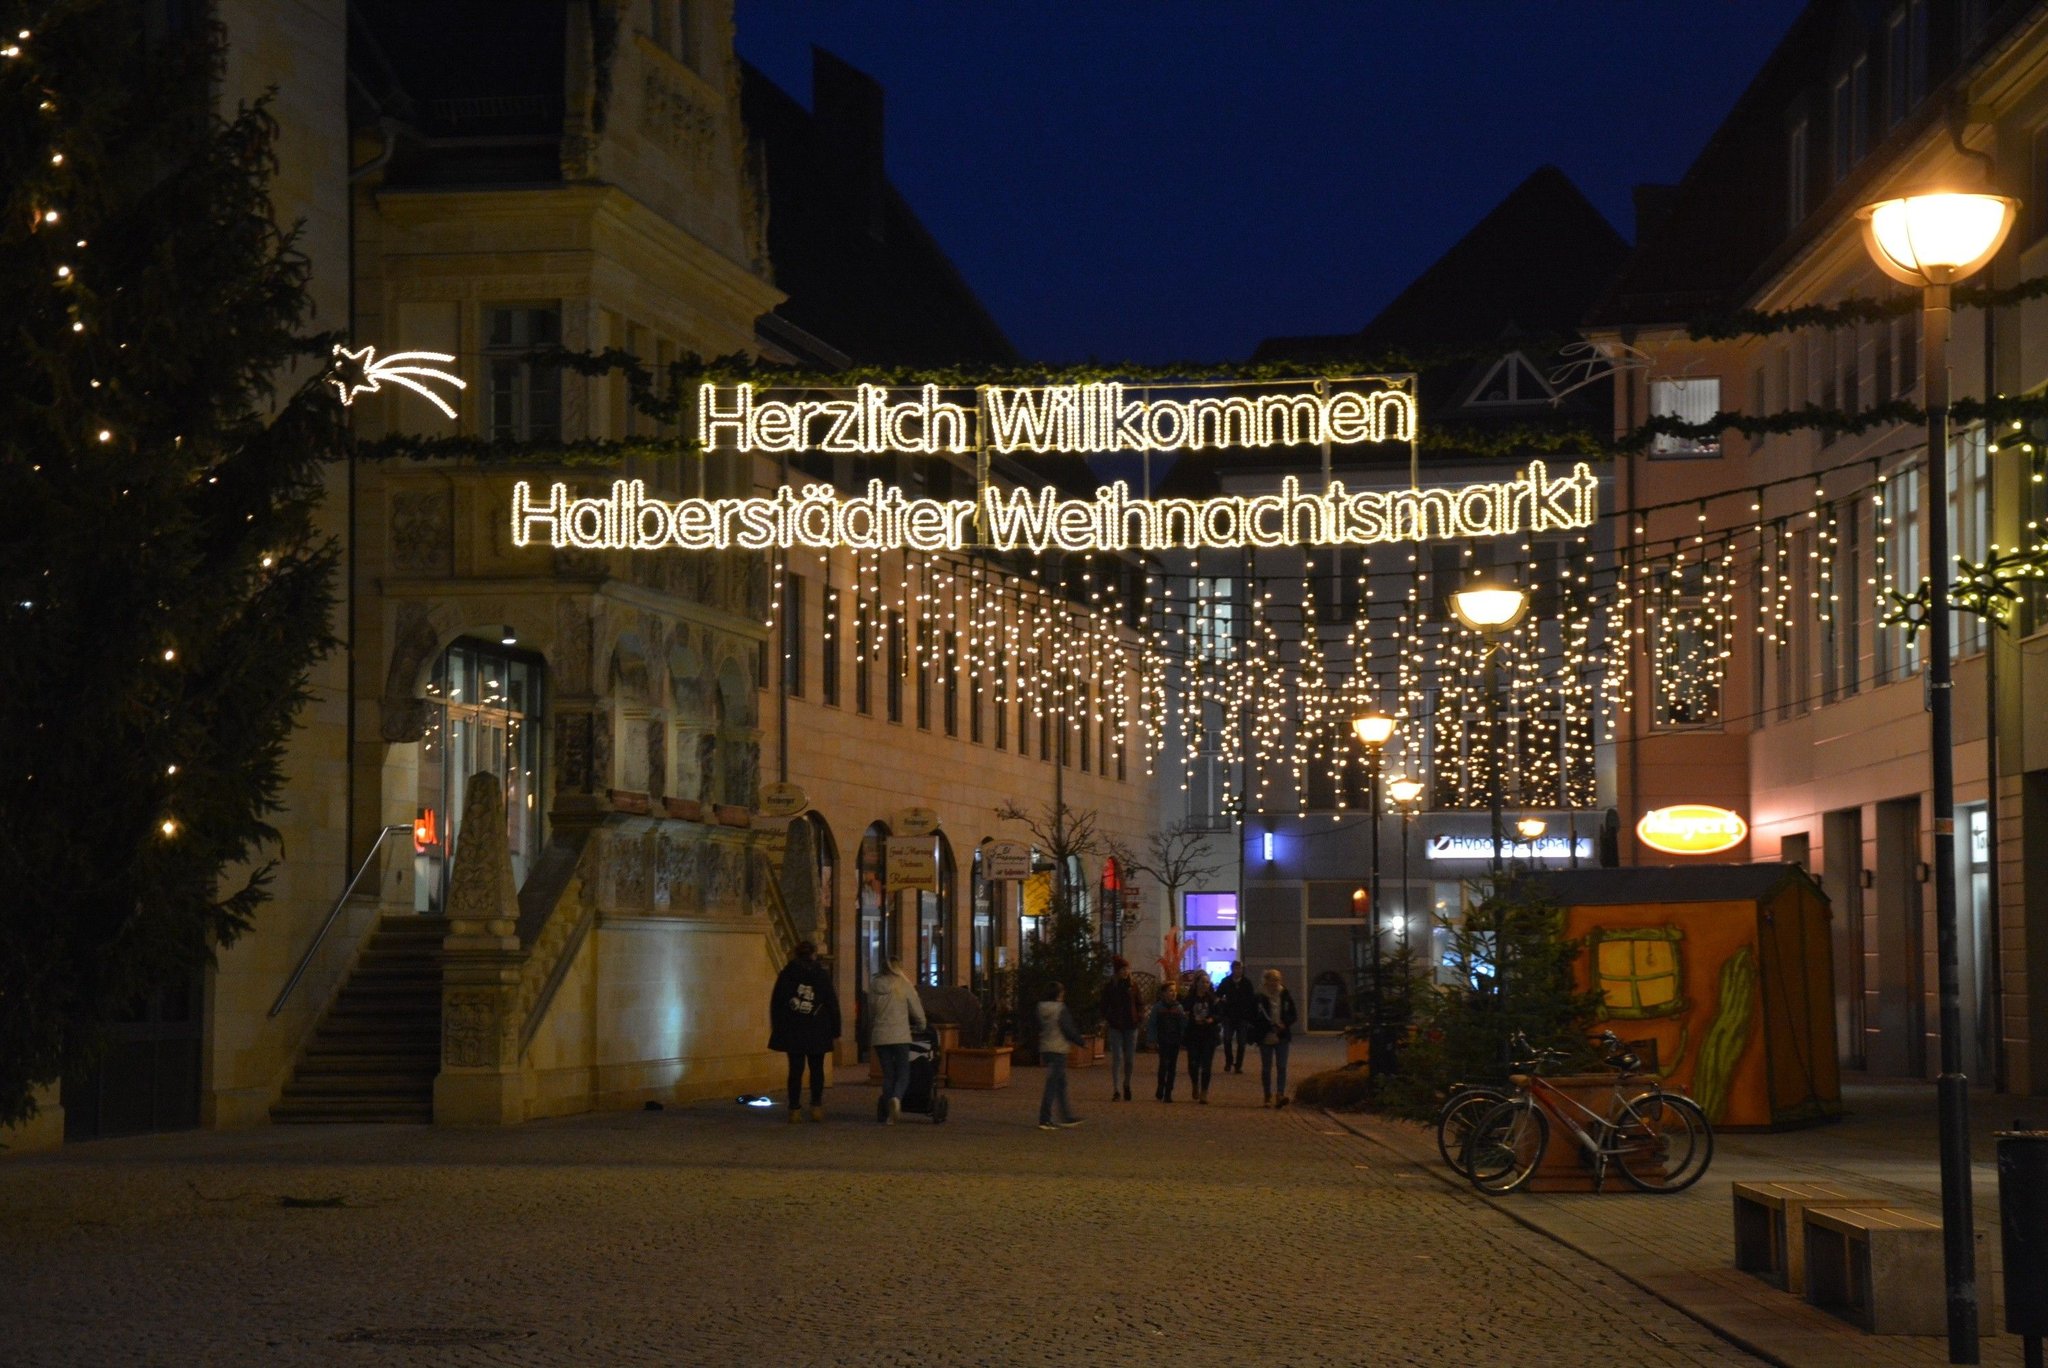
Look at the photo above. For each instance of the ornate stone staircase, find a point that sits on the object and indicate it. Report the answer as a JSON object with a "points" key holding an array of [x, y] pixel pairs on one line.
{"points": [[375, 1054]]}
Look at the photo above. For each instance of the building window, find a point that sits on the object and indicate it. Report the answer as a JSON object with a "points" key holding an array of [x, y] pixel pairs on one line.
{"points": [[1969, 514], [1795, 176], [863, 658], [524, 398], [828, 647], [1686, 648], [1900, 568], [1211, 617], [1001, 709], [950, 663], [793, 636], [977, 680], [1851, 111], [1690, 400], [925, 638], [895, 665]]}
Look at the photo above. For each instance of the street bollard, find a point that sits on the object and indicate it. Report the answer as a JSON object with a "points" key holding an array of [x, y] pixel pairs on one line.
{"points": [[2023, 1231]]}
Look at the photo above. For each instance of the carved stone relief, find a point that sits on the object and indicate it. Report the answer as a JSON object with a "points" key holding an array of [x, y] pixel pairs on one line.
{"points": [[470, 1031], [674, 118], [422, 532]]}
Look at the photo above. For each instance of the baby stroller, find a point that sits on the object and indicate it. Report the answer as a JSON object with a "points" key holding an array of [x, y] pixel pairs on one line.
{"points": [[922, 1094]]}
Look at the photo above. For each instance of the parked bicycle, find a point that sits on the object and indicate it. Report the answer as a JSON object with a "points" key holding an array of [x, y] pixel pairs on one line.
{"points": [[1459, 1114], [1660, 1140]]}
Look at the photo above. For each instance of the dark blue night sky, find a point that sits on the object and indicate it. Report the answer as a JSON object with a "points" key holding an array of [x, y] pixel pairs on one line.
{"points": [[1157, 181]]}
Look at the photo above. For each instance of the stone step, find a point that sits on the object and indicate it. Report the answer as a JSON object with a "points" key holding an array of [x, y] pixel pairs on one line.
{"points": [[361, 1085]]}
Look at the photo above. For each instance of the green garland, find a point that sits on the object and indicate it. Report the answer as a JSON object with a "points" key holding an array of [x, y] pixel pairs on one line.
{"points": [[1851, 313]]}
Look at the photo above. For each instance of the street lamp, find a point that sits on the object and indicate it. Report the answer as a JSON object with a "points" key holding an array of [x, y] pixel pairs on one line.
{"points": [[1492, 611], [1407, 795], [1531, 828], [1932, 241], [1373, 730]]}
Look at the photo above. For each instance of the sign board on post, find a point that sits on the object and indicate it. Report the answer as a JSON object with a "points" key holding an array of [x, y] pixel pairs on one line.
{"points": [[1001, 860], [913, 865], [1692, 829], [915, 821], [782, 800]]}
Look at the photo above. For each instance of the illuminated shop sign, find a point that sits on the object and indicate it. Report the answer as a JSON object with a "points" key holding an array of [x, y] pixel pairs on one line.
{"points": [[1481, 848], [1691, 829], [1085, 419], [885, 518]]}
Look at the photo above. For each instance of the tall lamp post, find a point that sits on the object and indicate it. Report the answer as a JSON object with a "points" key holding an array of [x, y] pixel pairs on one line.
{"points": [[1531, 828], [1373, 730], [1407, 795], [1492, 611], [1933, 240]]}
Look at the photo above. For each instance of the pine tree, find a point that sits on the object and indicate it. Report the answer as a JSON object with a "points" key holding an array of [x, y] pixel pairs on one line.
{"points": [[1516, 971], [165, 591]]}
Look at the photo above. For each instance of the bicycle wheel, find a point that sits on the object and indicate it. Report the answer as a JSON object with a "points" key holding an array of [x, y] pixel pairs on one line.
{"points": [[1454, 1123], [1662, 1141], [1506, 1145]]}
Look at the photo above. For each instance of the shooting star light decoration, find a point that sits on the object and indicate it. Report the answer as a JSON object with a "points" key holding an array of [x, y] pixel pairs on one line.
{"points": [[363, 371]]}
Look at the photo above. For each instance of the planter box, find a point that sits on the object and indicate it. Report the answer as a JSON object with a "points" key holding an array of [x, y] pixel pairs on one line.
{"points": [[973, 1067], [628, 800], [1080, 1056], [1565, 1167], [1357, 1050], [734, 816], [1098, 1045], [687, 809]]}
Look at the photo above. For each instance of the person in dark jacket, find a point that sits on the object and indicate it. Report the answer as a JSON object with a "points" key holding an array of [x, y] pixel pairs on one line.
{"points": [[803, 1023], [1235, 1008], [1202, 1033], [1169, 1029], [1122, 1013], [1273, 1021]]}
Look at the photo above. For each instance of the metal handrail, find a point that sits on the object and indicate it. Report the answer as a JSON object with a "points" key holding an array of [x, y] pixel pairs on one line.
{"points": [[332, 913]]}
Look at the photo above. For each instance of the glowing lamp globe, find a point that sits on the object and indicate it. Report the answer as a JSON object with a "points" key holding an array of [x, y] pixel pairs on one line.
{"points": [[1531, 827], [1405, 791], [1489, 607], [1936, 239], [1373, 729]]}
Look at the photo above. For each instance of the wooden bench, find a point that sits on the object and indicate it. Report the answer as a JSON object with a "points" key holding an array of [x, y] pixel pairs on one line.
{"points": [[1876, 1267], [1770, 1236]]}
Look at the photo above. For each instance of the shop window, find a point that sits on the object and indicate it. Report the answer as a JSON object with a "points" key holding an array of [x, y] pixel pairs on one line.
{"points": [[1690, 400], [487, 710], [1640, 971]]}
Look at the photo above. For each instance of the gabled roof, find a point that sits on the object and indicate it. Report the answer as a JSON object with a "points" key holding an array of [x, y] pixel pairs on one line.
{"points": [[1669, 884], [1528, 268]]}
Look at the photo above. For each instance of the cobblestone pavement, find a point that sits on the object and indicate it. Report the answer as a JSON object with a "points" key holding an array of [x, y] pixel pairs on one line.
{"points": [[716, 1234]]}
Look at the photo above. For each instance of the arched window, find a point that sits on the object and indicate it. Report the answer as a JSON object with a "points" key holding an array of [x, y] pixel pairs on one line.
{"points": [[936, 916], [877, 939], [985, 899], [486, 704]]}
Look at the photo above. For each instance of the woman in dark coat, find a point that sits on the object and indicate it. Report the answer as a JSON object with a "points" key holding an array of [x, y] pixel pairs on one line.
{"points": [[803, 1022]]}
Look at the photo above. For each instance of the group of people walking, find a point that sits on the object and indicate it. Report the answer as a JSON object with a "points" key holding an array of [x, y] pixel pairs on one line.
{"points": [[804, 1023], [1193, 1021]]}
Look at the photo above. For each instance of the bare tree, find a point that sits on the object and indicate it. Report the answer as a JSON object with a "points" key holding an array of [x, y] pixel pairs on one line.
{"points": [[1175, 856], [1062, 832]]}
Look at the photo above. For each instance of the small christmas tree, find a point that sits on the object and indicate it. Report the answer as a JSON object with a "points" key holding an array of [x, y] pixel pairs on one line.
{"points": [[1514, 971], [163, 592]]}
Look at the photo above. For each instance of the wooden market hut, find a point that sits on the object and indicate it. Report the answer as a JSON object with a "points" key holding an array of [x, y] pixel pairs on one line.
{"points": [[1721, 974]]}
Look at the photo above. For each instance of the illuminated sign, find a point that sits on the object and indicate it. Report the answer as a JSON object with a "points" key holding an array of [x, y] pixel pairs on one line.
{"points": [[885, 518], [1692, 829], [1481, 847], [1086, 419]]}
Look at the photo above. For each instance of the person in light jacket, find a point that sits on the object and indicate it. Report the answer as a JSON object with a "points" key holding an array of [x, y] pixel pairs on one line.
{"points": [[803, 1021], [893, 1013], [1273, 1021], [1056, 1031]]}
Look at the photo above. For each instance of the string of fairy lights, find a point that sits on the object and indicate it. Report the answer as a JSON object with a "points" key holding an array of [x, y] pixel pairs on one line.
{"points": [[1241, 681]]}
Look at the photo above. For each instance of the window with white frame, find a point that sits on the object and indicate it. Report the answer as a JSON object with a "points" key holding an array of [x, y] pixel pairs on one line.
{"points": [[1690, 399], [1795, 175], [1211, 617]]}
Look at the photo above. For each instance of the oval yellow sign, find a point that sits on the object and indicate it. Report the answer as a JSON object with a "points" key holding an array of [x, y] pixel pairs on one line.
{"points": [[1692, 829]]}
